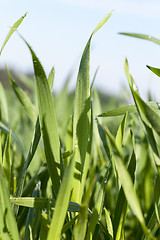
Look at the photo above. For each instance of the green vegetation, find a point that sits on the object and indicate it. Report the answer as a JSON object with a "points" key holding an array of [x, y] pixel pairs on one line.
{"points": [[70, 171]]}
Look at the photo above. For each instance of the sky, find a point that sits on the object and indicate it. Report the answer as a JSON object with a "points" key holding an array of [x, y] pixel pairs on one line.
{"points": [[58, 31]]}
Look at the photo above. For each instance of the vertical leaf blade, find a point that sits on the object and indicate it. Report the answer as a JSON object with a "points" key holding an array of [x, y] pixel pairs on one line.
{"points": [[82, 112], [48, 123]]}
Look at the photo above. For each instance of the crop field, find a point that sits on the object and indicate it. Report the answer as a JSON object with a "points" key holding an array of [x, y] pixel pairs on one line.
{"points": [[72, 167]]}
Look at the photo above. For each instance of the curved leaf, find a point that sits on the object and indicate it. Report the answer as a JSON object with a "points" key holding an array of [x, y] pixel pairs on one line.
{"points": [[142, 36], [13, 28]]}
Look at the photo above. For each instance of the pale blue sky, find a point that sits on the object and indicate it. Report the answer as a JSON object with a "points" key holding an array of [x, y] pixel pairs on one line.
{"points": [[58, 30]]}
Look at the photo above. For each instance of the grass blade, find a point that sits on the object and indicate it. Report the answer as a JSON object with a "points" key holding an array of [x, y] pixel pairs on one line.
{"points": [[119, 111], [32, 150], [32, 212], [61, 203], [154, 70], [7, 160], [129, 109], [48, 122], [23, 98], [5, 128], [127, 183], [3, 105], [42, 203], [51, 78], [142, 36], [13, 28], [121, 206], [147, 113], [120, 133], [82, 113], [8, 226], [99, 198]]}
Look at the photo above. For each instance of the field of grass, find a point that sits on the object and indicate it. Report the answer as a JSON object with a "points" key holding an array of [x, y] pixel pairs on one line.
{"points": [[69, 170]]}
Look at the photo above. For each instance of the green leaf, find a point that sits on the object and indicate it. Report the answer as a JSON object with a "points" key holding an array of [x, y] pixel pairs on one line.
{"points": [[61, 203], [129, 109], [147, 113], [109, 222], [121, 205], [44, 227], [23, 98], [3, 105], [82, 113], [42, 203], [51, 78], [142, 36], [32, 214], [7, 160], [33, 147], [32, 150], [8, 226], [0, 150], [6, 129], [98, 203], [155, 70], [13, 28], [120, 133], [80, 228], [119, 111], [150, 118], [104, 140], [48, 123], [126, 182]]}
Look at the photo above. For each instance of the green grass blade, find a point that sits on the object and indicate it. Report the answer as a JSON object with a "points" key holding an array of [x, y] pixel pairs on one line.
{"points": [[119, 111], [129, 109], [8, 226], [13, 28], [48, 122], [142, 36], [69, 224], [61, 203], [7, 160], [23, 98], [98, 204], [154, 70], [126, 182], [104, 140], [6, 129], [32, 212], [44, 227], [102, 23], [3, 105], [32, 150], [109, 222], [80, 228], [42, 203], [120, 133], [51, 78], [94, 78], [0, 149], [82, 112], [129, 191], [147, 113], [121, 205]]}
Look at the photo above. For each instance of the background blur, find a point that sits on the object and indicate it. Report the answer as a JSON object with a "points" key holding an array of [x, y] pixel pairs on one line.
{"points": [[58, 30]]}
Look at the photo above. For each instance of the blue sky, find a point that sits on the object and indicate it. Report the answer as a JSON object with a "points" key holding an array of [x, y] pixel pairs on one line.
{"points": [[58, 30]]}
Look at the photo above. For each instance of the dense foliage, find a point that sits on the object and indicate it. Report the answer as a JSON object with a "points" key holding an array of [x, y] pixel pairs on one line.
{"points": [[69, 171]]}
